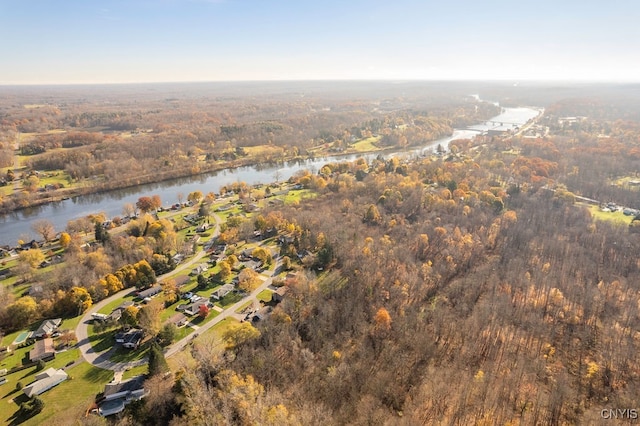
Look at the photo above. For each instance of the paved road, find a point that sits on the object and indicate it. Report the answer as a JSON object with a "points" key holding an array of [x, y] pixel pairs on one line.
{"points": [[227, 313], [102, 359]]}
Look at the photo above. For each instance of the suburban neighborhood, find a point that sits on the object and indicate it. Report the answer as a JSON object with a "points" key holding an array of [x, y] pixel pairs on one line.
{"points": [[108, 336]]}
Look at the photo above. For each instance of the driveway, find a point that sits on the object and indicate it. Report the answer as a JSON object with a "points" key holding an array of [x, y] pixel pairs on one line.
{"points": [[102, 359]]}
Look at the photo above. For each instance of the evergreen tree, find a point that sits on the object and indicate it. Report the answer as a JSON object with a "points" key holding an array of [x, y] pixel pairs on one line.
{"points": [[157, 362], [101, 234]]}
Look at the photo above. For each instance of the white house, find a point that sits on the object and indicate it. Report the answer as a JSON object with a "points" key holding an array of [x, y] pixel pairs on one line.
{"points": [[45, 381]]}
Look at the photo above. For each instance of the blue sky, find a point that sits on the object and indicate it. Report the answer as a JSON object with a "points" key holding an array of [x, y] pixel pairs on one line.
{"points": [[115, 41]]}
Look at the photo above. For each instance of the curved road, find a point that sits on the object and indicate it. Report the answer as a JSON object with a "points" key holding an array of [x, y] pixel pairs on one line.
{"points": [[102, 359]]}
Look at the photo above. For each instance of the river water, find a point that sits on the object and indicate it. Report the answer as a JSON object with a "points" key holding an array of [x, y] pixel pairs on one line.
{"points": [[17, 225]]}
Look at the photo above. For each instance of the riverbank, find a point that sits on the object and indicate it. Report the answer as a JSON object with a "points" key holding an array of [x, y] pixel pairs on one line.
{"points": [[176, 184], [25, 201]]}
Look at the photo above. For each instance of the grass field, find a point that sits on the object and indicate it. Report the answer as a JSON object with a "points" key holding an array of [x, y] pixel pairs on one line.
{"points": [[122, 354], [613, 217], [265, 295], [217, 330], [367, 144], [135, 371], [199, 321], [244, 306], [103, 340], [86, 381], [68, 402], [228, 300], [109, 307], [264, 150], [295, 196]]}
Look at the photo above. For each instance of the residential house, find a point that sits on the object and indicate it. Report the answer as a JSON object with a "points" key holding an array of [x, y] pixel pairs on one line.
{"points": [[278, 295], [261, 314], [47, 328], [179, 320], [194, 308], [150, 292], [286, 239], [181, 280], [130, 339], [45, 381], [201, 268], [42, 350], [118, 394], [116, 314], [222, 291]]}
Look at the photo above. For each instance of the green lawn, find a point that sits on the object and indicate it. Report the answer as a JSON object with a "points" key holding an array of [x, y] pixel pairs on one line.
{"points": [[265, 295], [103, 340], [135, 371], [244, 306], [197, 320], [126, 355], [228, 300], [219, 328], [56, 400], [613, 217], [16, 357], [56, 177], [296, 195], [367, 144], [70, 400], [183, 332], [9, 262], [109, 307], [9, 338], [70, 323]]}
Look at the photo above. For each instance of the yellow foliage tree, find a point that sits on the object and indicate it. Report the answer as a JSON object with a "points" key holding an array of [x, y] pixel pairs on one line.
{"points": [[65, 239], [383, 319]]}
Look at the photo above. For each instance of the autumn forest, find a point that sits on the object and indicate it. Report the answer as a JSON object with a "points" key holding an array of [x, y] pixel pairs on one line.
{"points": [[493, 281]]}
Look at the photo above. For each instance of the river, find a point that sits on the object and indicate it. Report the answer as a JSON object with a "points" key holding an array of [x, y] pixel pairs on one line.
{"points": [[17, 225]]}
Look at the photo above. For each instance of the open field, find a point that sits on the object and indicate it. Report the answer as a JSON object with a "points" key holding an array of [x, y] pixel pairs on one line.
{"points": [[265, 295], [367, 144], [261, 150], [85, 381], [615, 217], [70, 400]]}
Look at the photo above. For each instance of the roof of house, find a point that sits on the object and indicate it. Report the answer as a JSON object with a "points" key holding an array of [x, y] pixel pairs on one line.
{"points": [[222, 291], [48, 327], [111, 407], [278, 295], [112, 389], [42, 349], [44, 384], [261, 314], [152, 291], [49, 372], [194, 308], [133, 337], [177, 319]]}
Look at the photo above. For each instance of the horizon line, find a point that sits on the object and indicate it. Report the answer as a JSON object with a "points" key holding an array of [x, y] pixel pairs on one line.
{"points": [[514, 81]]}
